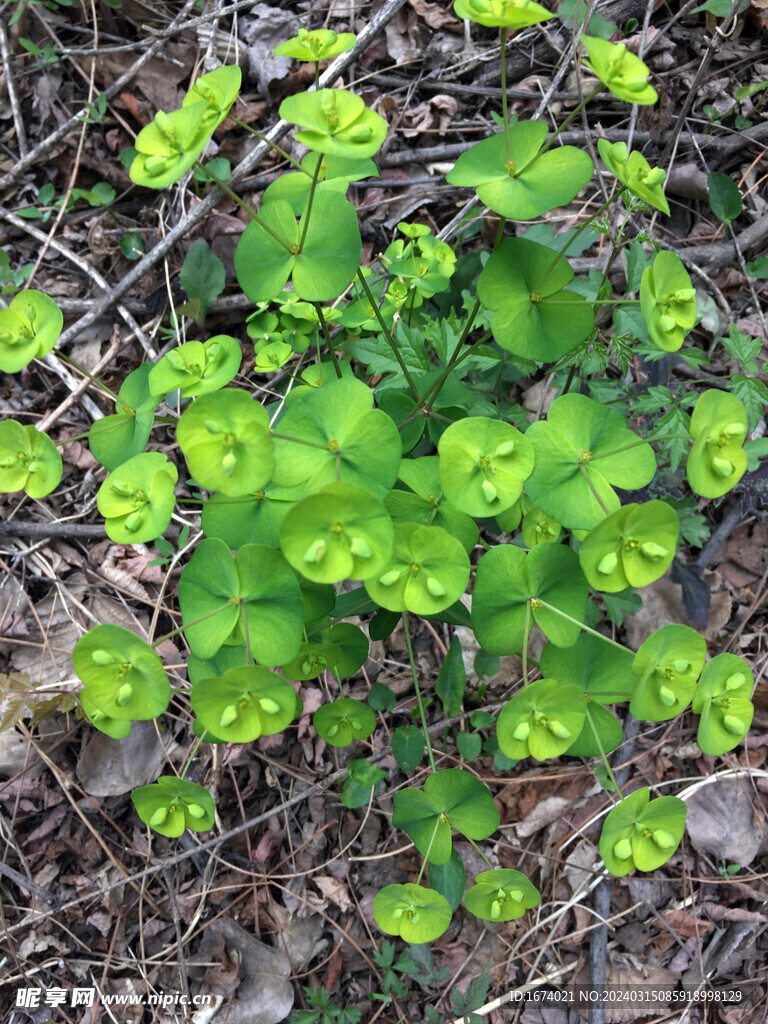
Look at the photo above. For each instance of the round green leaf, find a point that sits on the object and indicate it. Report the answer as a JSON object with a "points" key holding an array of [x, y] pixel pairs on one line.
{"points": [[449, 879], [534, 315], [640, 832], [634, 171], [600, 669], [170, 805], [502, 13], [170, 144], [197, 368], [343, 721], [226, 441], [411, 911], [405, 507], [137, 499], [620, 70], [527, 184], [507, 579], [668, 663], [29, 460], [501, 895], [123, 676], [345, 439], [541, 721], [318, 44], [428, 571], [483, 465], [336, 122], [115, 439], [249, 519], [29, 328], [117, 728], [716, 462], [584, 450], [450, 799], [353, 644], [218, 89], [246, 702], [722, 699], [342, 532], [631, 547]]}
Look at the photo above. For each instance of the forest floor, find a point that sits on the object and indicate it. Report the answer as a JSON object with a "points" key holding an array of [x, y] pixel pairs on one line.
{"points": [[87, 900]]}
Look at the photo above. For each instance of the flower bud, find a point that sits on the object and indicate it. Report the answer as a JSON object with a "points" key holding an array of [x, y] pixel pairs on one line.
{"points": [[522, 732], [506, 448], [514, 894], [685, 294], [622, 850], [489, 491], [361, 133], [663, 839], [214, 427], [495, 910], [734, 430], [228, 716], [333, 729], [608, 563], [653, 551], [33, 466], [656, 175], [389, 578], [196, 811], [435, 587], [722, 467]]}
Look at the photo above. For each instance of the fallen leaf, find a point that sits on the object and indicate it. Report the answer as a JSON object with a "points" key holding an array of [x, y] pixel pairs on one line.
{"points": [[109, 767], [720, 822], [335, 891]]}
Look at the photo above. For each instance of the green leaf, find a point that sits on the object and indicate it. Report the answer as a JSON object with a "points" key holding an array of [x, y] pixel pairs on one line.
{"points": [[667, 301], [721, 8], [137, 499], [757, 267], [640, 832], [507, 579], [220, 590], [254, 519], [226, 441], [335, 122], [668, 663], [202, 277], [123, 676], [29, 460], [469, 744], [345, 440], [171, 804], [405, 507], [450, 799], [115, 439], [600, 669], [452, 679], [449, 879], [584, 450], [742, 347], [248, 701], [717, 460], [722, 699], [132, 246], [428, 571], [344, 721], [411, 911], [524, 185], [29, 328], [508, 15], [543, 720], [196, 368], [381, 697], [724, 197], [483, 465], [501, 895], [320, 44], [342, 532], [534, 316], [624, 74], [408, 747], [753, 395]]}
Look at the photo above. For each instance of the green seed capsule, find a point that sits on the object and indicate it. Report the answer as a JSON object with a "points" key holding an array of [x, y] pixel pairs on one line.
{"points": [[653, 551], [159, 817], [435, 587], [734, 725], [722, 467], [735, 681], [559, 730], [228, 715], [663, 839], [360, 548], [269, 705], [667, 696], [522, 732], [315, 552], [102, 657], [608, 563], [229, 464], [489, 492], [389, 578], [622, 850], [414, 916], [506, 448], [124, 695], [196, 811]]}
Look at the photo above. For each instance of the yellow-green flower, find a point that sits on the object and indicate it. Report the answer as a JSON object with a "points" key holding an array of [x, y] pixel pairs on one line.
{"points": [[636, 173], [625, 75], [502, 13]]}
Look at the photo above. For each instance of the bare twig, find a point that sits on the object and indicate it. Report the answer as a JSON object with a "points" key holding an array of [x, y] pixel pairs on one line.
{"points": [[18, 120]]}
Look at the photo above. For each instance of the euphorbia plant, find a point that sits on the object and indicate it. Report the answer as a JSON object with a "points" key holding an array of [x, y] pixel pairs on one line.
{"points": [[367, 484]]}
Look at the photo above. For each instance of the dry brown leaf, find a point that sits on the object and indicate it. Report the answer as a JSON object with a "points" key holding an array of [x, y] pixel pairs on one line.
{"points": [[335, 891], [720, 822]]}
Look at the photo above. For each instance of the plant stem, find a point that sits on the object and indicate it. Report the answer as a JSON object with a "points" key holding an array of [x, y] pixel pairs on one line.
{"points": [[326, 333], [592, 488], [504, 108], [191, 757], [264, 139], [300, 440], [582, 227], [477, 848], [246, 631], [193, 622], [81, 369], [574, 113], [418, 692], [603, 757], [429, 850], [387, 333], [642, 440], [526, 630], [308, 212], [581, 625], [248, 209]]}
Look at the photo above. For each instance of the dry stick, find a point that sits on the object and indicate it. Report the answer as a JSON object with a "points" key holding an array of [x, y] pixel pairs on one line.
{"points": [[61, 133], [252, 160], [18, 120], [720, 34]]}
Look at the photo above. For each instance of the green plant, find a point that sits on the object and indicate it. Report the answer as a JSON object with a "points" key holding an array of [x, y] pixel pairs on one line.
{"points": [[385, 461]]}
